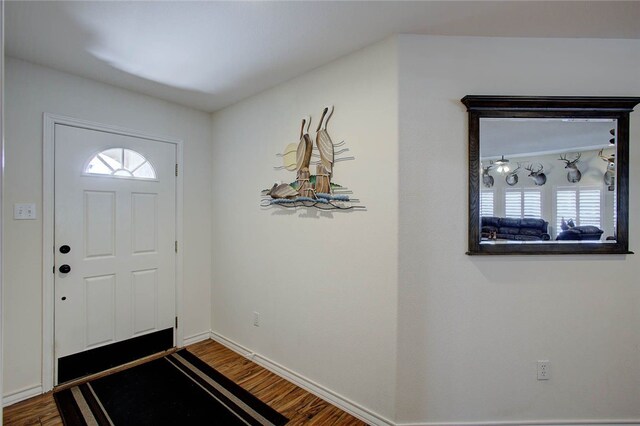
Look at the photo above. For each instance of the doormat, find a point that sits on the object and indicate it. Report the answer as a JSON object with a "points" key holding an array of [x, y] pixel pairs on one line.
{"points": [[176, 389]]}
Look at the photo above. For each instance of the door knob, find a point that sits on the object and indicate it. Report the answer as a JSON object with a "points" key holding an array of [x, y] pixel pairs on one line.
{"points": [[65, 269], [65, 249]]}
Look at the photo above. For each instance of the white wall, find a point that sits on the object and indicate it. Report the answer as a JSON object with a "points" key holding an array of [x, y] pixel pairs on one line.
{"points": [[470, 329], [324, 283], [32, 90]]}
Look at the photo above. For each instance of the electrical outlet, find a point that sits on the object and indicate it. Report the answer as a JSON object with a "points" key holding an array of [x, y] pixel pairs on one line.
{"points": [[256, 319], [544, 370]]}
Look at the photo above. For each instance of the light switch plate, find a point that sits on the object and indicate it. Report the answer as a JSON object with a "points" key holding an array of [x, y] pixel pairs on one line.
{"points": [[24, 211]]}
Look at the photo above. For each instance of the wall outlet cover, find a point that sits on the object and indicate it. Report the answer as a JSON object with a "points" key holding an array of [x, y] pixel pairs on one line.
{"points": [[544, 370]]}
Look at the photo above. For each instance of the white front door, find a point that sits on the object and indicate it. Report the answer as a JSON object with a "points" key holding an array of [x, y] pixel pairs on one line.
{"points": [[115, 233]]}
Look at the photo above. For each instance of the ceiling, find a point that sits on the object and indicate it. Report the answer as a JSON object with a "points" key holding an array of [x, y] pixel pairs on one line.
{"points": [[208, 55], [525, 137]]}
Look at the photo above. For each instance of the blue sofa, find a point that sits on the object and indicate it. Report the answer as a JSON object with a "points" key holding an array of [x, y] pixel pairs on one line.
{"points": [[581, 233], [507, 228]]}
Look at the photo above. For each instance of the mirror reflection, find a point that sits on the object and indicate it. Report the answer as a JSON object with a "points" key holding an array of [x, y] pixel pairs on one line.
{"points": [[547, 180]]}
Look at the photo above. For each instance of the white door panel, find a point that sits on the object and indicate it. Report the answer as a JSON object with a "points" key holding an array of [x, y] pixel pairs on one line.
{"points": [[122, 232]]}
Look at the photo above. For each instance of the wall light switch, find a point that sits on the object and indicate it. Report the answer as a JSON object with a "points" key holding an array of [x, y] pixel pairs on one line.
{"points": [[24, 211]]}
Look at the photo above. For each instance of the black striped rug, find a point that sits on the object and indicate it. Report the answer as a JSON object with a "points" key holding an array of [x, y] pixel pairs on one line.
{"points": [[178, 389]]}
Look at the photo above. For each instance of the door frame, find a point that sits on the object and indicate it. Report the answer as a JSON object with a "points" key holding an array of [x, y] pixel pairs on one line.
{"points": [[48, 209]]}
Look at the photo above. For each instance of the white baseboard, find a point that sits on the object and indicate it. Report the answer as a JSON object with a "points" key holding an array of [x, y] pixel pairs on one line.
{"points": [[231, 345], [310, 386], [195, 338], [21, 395]]}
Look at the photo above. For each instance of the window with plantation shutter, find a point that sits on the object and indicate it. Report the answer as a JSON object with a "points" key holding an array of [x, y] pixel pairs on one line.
{"points": [[486, 203], [526, 203], [580, 204]]}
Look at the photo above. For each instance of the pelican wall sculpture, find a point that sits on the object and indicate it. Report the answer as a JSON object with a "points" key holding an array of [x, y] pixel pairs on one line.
{"points": [[309, 190]]}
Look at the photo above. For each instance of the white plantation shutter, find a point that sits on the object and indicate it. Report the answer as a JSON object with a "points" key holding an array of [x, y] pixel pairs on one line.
{"points": [[486, 203], [523, 203], [513, 204], [582, 205], [532, 206], [589, 207]]}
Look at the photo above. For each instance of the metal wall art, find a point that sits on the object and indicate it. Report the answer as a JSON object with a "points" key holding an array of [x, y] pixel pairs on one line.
{"points": [[312, 190]]}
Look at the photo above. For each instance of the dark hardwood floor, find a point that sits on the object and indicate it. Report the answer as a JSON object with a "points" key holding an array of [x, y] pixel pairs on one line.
{"points": [[301, 407]]}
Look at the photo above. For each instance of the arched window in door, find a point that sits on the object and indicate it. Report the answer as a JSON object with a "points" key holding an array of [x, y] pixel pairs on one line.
{"points": [[120, 162]]}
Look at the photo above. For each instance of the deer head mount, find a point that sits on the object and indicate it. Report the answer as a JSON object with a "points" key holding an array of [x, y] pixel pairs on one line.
{"points": [[573, 175], [538, 176], [610, 173], [487, 179], [512, 177]]}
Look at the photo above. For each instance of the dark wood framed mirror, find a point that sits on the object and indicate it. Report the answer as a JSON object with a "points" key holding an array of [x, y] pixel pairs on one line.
{"points": [[548, 175]]}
